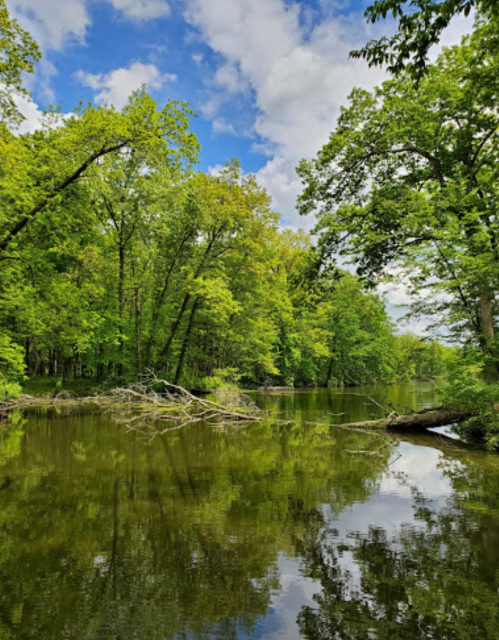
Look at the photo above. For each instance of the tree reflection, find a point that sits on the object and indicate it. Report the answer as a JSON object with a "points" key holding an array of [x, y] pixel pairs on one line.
{"points": [[436, 578], [104, 536]]}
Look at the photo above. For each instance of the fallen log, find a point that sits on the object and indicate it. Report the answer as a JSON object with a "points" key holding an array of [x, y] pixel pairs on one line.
{"points": [[418, 421], [275, 389]]}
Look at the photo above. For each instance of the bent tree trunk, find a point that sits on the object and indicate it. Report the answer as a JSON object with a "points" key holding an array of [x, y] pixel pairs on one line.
{"points": [[419, 421], [186, 341]]}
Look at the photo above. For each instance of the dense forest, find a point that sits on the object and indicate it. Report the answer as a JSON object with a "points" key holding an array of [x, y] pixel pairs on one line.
{"points": [[116, 257]]}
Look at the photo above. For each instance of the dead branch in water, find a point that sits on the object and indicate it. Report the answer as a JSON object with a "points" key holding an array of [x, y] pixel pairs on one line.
{"points": [[140, 406]]}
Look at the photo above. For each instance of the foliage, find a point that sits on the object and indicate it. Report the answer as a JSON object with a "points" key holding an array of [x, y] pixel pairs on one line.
{"points": [[420, 25], [12, 367], [116, 258], [406, 188], [18, 54], [420, 359], [470, 393], [221, 379]]}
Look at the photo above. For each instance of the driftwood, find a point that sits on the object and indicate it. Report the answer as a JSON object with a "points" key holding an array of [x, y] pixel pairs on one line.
{"points": [[419, 421], [142, 408]]}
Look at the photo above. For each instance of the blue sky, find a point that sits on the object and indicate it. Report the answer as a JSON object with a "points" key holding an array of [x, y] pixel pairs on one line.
{"points": [[266, 77]]}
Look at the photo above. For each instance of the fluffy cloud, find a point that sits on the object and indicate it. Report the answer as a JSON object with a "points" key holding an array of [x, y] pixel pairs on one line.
{"points": [[228, 77], [299, 77], [142, 9], [51, 22], [116, 86], [278, 177], [55, 23], [220, 125], [298, 69], [299, 73], [34, 118]]}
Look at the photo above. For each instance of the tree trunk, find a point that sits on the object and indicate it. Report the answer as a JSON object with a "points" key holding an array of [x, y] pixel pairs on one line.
{"points": [[197, 273], [159, 302], [164, 353], [486, 314], [121, 306], [186, 341], [137, 329], [329, 371], [420, 421]]}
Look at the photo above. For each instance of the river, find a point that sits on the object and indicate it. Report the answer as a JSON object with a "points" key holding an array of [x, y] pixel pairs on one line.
{"points": [[272, 531]]}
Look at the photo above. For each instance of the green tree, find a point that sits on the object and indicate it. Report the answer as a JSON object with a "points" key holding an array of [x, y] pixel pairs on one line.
{"points": [[218, 291], [38, 168], [420, 25], [408, 180], [53, 249], [18, 54]]}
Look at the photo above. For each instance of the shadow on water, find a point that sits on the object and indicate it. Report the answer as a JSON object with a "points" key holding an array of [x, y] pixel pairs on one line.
{"points": [[270, 531]]}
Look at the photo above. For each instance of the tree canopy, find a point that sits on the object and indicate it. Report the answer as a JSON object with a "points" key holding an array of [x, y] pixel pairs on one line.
{"points": [[116, 257], [420, 25], [407, 185]]}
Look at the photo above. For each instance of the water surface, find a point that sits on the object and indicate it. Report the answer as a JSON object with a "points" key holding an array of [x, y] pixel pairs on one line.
{"points": [[274, 531]]}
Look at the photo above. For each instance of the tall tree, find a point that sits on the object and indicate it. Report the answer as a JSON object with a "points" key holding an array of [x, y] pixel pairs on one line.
{"points": [[38, 168], [408, 179]]}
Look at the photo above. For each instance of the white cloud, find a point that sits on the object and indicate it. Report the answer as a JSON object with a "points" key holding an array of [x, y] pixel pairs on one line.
{"points": [[280, 180], [142, 9], [34, 117], [220, 125], [56, 23], [459, 26], [229, 78], [216, 170], [46, 71], [116, 86], [52, 23], [300, 79], [32, 114], [210, 108], [41, 81], [197, 57], [300, 73]]}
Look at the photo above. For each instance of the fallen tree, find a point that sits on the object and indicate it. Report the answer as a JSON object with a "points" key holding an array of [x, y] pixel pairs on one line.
{"points": [[149, 402], [417, 421]]}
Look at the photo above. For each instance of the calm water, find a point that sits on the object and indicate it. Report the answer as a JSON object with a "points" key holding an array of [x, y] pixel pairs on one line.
{"points": [[269, 532]]}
